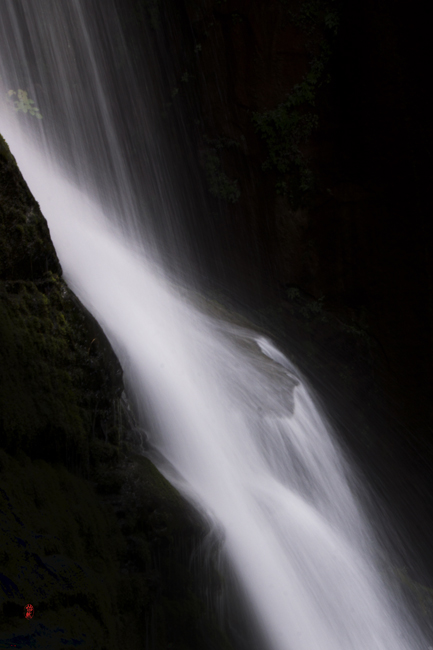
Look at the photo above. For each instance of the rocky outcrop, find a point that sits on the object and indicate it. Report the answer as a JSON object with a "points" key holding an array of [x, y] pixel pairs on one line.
{"points": [[91, 534], [60, 383]]}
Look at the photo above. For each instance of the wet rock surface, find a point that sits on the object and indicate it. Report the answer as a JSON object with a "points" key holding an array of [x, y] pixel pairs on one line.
{"points": [[91, 534]]}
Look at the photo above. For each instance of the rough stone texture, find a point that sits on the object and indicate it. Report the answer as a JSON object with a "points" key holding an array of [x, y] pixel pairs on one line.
{"points": [[91, 534], [104, 563], [26, 249], [60, 382]]}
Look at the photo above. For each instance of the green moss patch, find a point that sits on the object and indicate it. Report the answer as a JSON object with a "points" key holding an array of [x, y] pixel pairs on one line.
{"points": [[287, 128], [55, 392]]}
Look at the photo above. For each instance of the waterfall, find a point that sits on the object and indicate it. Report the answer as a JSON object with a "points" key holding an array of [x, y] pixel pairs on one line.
{"points": [[233, 423]]}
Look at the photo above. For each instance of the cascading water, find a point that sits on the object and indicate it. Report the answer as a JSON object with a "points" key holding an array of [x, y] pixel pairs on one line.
{"points": [[235, 426]]}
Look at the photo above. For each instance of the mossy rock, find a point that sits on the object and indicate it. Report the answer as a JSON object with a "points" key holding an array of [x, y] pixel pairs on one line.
{"points": [[56, 388], [155, 506], [60, 382], [26, 250], [91, 534]]}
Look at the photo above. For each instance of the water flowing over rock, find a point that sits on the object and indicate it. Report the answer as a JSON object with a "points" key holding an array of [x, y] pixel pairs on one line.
{"points": [[274, 524]]}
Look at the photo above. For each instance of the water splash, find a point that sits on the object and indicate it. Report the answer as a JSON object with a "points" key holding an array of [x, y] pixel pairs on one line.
{"points": [[234, 423]]}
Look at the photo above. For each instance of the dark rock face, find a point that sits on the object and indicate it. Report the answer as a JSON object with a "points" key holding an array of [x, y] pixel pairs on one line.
{"points": [[91, 534], [27, 252], [103, 564], [60, 381]]}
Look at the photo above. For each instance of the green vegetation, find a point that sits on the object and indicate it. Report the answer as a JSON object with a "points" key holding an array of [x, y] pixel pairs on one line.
{"points": [[219, 184], [153, 10], [421, 595], [287, 128], [308, 307], [22, 103], [312, 311], [54, 394], [314, 13]]}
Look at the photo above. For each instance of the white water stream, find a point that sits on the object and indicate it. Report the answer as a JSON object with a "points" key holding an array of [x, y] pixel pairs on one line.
{"points": [[229, 414]]}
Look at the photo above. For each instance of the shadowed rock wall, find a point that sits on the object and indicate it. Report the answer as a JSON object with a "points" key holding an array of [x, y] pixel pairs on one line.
{"points": [[91, 534]]}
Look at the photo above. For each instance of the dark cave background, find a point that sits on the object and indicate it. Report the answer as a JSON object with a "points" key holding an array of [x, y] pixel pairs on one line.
{"points": [[338, 267]]}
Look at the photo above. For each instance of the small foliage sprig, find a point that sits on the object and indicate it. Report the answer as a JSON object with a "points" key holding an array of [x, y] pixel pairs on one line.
{"points": [[22, 103], [313, 13], [288, 127], [219, 184]]}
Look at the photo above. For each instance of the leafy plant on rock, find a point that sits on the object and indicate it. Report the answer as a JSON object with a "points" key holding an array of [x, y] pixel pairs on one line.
{"points": [[219, 184], [22, 103], [287, 128]]}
